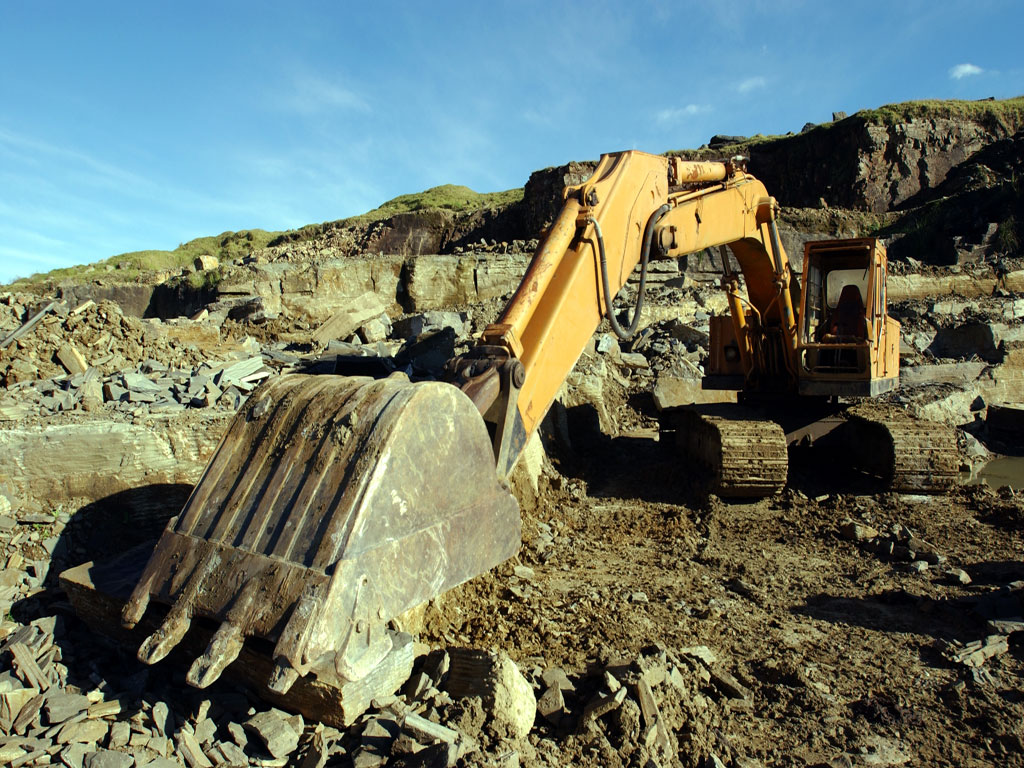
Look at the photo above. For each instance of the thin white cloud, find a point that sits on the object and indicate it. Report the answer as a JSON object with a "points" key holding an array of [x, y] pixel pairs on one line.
{"points": [[311, 94], [534, 117], [83, 174], [961, 71], [30, 149], [677, 114], [751, 84]]}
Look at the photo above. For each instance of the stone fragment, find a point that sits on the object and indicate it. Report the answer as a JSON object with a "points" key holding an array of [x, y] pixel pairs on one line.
{"points": [[191, 751], [27, 669], [62, 706], [611, 682], [551, 705], [347, 320], [556, 676], [112, 393], [634, 361], [375, 330], [73, 755], [729, 685], [672, 392], [28, 714], [105, 758], [205, 730], [417, 686], [602, 704], [652, 716], [976, 653], [160, 714], [436, 666], [83, 731], [120, 733], [104, 709], [238, 734], [72, 360], [274, 731], [854, 531], [206, 261], [1006, 626], [234, 756], [607, 344], [524, 572], [11, 751], [701, 652], [958, 576], [427, 730]]}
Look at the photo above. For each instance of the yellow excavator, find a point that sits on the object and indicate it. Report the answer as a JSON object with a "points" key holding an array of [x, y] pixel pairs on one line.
{"points": [[334, 504]]}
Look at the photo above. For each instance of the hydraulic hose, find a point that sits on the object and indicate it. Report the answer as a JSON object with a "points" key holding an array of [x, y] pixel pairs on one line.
{"points": [[627, 333]]}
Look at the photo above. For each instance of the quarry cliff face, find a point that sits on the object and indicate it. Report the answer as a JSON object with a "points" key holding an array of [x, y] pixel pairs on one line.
{"points": [[863, 165]]}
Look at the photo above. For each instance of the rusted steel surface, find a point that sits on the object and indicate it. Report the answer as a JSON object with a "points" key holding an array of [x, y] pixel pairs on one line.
{"points": [[332, 505]]}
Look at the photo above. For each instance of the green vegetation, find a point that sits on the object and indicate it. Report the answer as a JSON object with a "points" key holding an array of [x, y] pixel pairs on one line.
{"points": [[126, 267], [726, 150], [451, 197], [1008, 113], [1008, 236]]}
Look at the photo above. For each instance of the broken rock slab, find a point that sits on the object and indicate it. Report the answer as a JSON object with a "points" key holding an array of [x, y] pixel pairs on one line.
{"points": [[496, 679], [426, 322], [672, 392], [276, 730], [348, 320]]}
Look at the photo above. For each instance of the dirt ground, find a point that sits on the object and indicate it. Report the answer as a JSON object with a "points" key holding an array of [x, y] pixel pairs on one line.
{"points": [[841, 649]]}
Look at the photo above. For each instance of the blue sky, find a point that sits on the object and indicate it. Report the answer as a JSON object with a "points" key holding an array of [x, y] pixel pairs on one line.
{"points": [[126, 126]]}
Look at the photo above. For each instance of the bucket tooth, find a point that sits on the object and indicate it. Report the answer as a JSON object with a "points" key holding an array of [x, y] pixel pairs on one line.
{"points": [[282, 677], [224, 648], [155, 647], [332, 505]]}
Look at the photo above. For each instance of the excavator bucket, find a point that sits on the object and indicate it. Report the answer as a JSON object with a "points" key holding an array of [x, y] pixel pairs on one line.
{"points": [[332, 505]]}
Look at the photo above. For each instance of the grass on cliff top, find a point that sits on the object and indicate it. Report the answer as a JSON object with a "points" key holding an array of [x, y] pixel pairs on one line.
{"points": [[451, 197], [1008, 113], [126, 267]]}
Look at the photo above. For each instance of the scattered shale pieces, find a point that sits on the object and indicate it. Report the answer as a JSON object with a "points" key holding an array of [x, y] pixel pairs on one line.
{"points": [[977, 652]]}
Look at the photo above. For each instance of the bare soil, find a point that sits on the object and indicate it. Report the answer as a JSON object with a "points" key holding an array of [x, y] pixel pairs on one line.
{"points": [[840, 647]]}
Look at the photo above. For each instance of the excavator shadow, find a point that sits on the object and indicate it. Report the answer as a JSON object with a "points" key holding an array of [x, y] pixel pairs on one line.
{"points": [[637, 465], [896, 611], [629, 466]]}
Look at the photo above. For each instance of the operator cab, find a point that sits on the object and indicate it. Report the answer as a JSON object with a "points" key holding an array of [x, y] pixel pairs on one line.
{"points": [[848, 344]]}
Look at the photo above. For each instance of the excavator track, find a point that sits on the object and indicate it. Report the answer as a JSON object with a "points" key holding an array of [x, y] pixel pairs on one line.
{"points": [[744, 453], [910, 455]]}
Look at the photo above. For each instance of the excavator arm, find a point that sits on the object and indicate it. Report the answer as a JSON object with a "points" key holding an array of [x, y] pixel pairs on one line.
{"points": [[634, 204]]}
